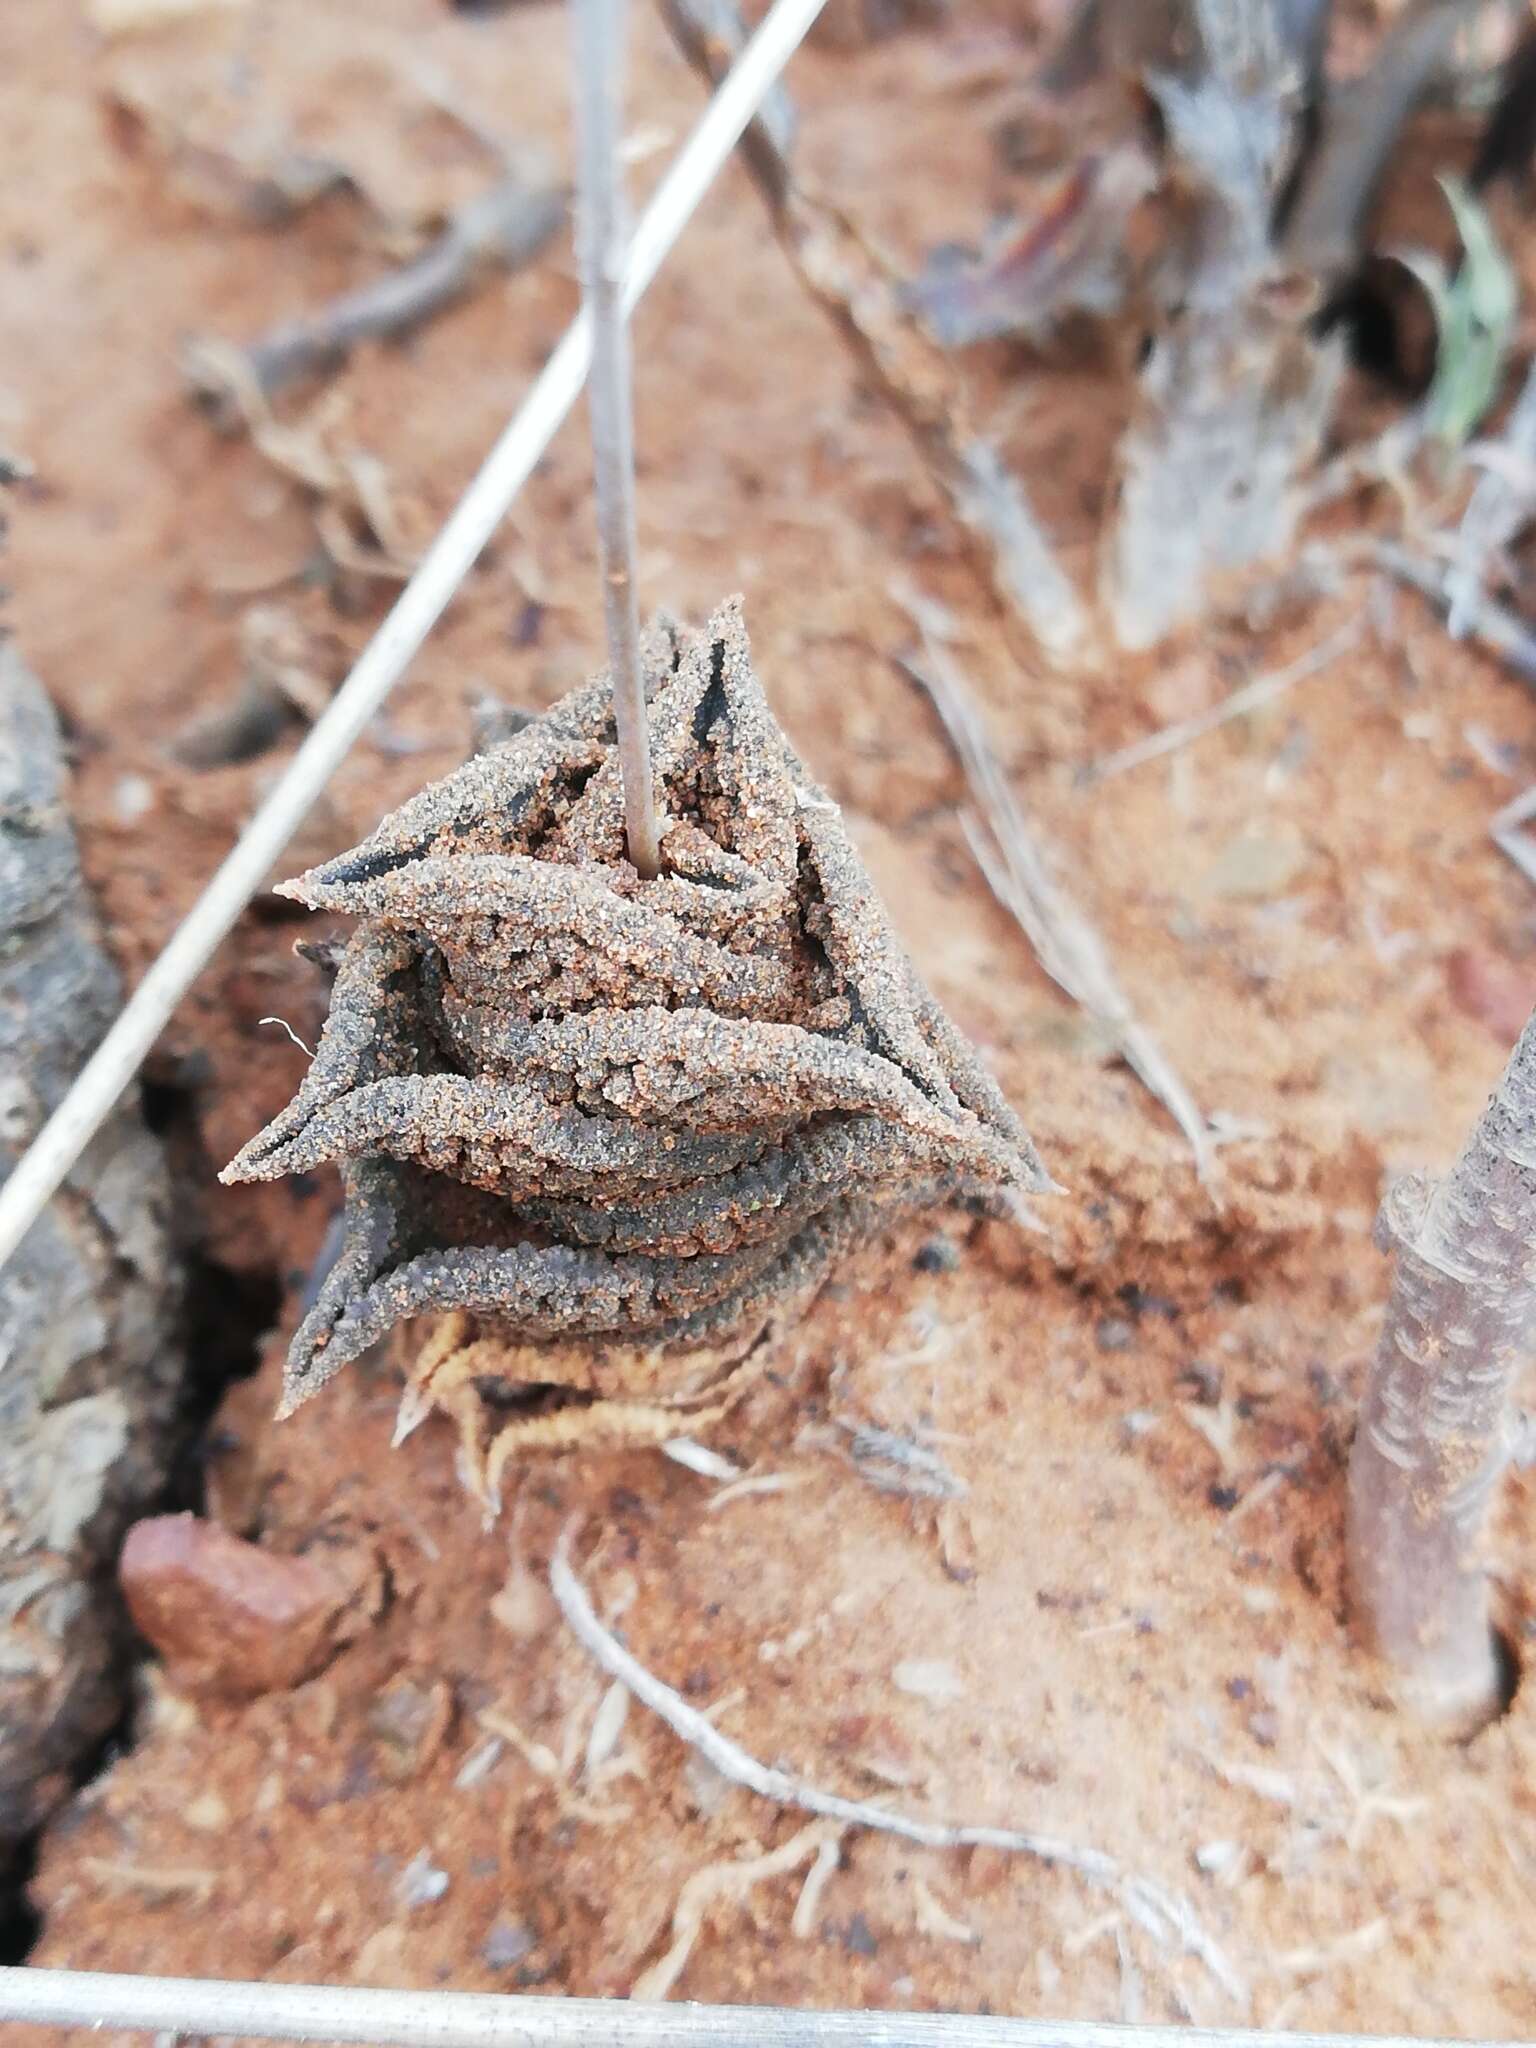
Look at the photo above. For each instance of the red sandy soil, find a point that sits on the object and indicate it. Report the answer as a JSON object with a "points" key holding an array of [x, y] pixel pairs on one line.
{"points": [[1130, 1632]]}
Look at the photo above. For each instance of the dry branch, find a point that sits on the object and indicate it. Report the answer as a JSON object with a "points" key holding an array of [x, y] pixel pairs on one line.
{"points": [[1019, 874], [1236, 391], [1435, 1426], [1162, 1912], [501, 230], [860, 296], [1365, 121]]}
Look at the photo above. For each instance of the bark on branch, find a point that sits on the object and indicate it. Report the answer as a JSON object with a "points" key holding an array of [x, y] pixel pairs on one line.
{"points": [[1434, 1430]]}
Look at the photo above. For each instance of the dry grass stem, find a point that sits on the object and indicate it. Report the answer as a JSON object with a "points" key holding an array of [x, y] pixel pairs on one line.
{"points": [[598, 38], [1255, 696], [1010, 856]]}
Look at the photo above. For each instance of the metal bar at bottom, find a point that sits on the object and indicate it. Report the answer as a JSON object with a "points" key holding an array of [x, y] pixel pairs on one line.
{"points": [[467, 2019]]}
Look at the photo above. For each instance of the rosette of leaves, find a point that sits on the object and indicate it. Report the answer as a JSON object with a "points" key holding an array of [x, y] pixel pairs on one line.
{"points": [[581, 1115]]}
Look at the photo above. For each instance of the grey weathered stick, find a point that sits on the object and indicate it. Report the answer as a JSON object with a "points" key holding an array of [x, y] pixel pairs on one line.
{"points": [[1434, 1428], [598, 29], [1361, 129], [503, 229]]}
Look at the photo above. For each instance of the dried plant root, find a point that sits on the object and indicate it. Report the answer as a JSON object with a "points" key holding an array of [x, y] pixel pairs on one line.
{"points": [[575, 1400], [729, 1883]]}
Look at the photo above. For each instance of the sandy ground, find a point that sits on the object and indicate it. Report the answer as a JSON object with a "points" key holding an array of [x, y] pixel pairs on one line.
{"points": [[1129, 1631]]}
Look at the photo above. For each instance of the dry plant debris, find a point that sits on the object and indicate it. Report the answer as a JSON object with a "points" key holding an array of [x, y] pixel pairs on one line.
{"points": [[1236, 391], [1211, 189], [1019, 875], [502, 230], [252, 176], [612, 1129], [1070, 258], [1499, 510], [1165, 1915], [871, 314], [358, 517]]}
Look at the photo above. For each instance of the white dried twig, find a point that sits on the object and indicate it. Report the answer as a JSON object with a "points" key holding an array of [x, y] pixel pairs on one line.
{"points": [[607, 1727], [696, 1457], [283, 1025], [995, 506], [1509, 835], [1254, 696], [817, 1878], [1161, 1911]]}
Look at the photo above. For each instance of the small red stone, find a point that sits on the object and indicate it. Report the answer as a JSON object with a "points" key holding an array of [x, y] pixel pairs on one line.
{"points": [[228, 1616]]}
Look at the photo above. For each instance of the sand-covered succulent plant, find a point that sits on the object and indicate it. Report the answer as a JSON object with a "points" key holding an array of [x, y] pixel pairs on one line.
{"points": [[638, 1118]]}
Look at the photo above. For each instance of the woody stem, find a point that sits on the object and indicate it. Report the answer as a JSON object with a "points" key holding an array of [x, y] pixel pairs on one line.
{"points": [[1432, 1438], [599, 60]]}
